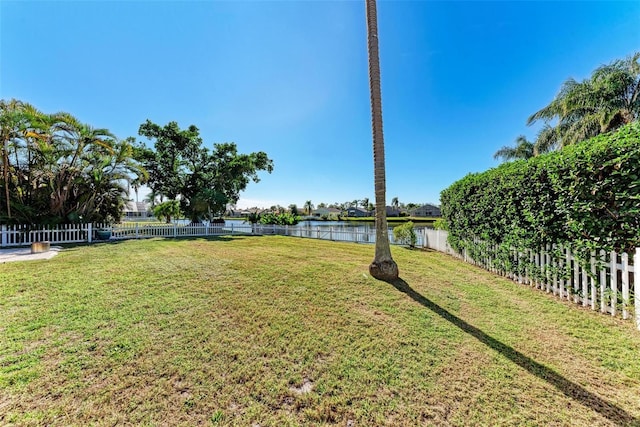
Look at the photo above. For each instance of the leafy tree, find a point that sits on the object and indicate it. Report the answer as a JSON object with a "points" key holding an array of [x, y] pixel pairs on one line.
{"points": [[406, 234], [167, 210], [383, 266], [294, 209], [204, 181], [607, 100]]}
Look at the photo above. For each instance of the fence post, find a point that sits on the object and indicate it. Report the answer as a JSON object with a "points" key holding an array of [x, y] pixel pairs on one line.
{"points": [[625, 286], [585, 284], [593, 280], [636, 284], [614, 282], [603, 280], [89, 233]]}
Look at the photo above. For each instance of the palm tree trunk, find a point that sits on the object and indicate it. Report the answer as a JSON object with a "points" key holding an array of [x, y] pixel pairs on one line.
{"points": [[383, 266], [5, 167]]}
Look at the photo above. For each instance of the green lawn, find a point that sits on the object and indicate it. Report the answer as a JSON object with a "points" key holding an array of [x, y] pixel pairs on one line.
{"points": [[277, 331]]}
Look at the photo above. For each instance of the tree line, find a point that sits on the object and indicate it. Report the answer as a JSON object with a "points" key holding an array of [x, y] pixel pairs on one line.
{"points": [[56, 169]]}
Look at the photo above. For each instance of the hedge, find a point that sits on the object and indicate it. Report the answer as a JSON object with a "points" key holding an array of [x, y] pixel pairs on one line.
{"points": [[586, 196]]}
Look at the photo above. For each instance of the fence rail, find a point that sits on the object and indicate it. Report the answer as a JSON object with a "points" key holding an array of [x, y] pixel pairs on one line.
{"points": [[608, 282]]}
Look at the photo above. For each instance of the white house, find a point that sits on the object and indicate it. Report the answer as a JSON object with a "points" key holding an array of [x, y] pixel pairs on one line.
{"points": [[137, 210]]}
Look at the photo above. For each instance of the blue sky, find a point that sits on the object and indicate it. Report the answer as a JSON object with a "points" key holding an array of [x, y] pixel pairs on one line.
{"points": [[459, 79]]}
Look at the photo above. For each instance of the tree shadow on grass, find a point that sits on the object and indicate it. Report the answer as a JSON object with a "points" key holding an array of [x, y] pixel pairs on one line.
{"points": [[572, 390]]}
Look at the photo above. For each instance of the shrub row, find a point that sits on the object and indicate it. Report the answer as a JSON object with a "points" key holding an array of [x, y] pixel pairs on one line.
{"points": [[586, 196]]}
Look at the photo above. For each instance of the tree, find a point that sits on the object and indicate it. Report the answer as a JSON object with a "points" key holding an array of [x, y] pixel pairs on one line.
{"points": [[406, 234], [167, 210], [365, 203], [395, 203], [57, 169], [607, 100], [293, 208], [524, 149], [204, 181], [383, 266], [308, 206]]}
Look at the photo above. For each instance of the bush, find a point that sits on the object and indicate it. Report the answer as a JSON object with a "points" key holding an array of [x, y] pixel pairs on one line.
{"points": [[167, 210], [279, 219], [586, 195], [405, 234], [440, 224]]}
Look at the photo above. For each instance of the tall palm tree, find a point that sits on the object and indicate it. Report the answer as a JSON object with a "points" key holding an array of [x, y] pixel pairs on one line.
{"points": [[610, 98], [23, 128], [308, 206], [383, 266], [10, 118]]}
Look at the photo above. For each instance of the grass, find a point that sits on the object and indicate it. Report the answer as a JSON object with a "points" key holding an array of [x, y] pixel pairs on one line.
{"points": [[277, 331]]}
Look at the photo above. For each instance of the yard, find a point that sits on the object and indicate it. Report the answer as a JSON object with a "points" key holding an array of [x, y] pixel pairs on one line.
{"points": [[277, 331]]}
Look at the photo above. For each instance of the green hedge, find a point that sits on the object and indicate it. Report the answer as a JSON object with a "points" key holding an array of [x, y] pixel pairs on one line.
{"points": [[586, 196]]}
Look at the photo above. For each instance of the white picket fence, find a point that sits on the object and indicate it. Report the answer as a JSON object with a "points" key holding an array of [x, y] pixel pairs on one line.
{"points": [[609, 282], [78, 233]]}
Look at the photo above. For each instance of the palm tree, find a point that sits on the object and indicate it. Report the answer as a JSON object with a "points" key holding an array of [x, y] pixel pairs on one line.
{"points": [[383, 266], [24, 135], [610, 98], [308, 206], [365, 203], [167, 210], [395, 202], [524, 149], [11, 118]]}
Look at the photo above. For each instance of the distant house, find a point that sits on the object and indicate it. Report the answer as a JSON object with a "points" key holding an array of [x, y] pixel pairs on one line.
{"points": [[137, 210], [358, 212], [256, 211], [326, 211], [232, 213], [426, 210], [391, 211]]}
